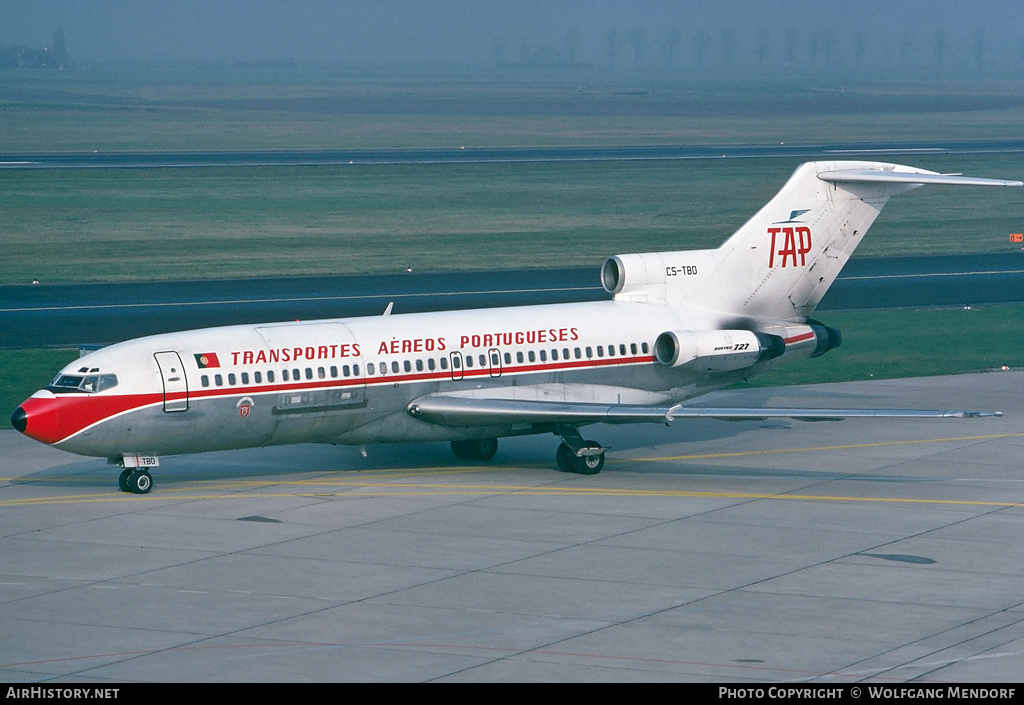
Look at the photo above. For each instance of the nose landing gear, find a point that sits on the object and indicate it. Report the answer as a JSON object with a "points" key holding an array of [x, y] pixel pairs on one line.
{"points": [[135, 480], [135, 477]]}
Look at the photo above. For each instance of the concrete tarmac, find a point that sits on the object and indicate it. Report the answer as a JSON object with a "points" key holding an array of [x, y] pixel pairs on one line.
{"points": [[875, 550]]}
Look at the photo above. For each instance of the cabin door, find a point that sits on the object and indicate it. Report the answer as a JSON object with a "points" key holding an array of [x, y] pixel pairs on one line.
{"points": [[172, 372]]}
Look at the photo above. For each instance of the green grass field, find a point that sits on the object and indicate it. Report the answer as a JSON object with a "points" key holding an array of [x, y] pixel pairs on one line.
{"points": [[107, 225], [103, 225], [111, 225]]}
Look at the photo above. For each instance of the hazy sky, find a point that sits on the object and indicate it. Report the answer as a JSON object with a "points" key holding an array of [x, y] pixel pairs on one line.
{"points": [[482, 32]]}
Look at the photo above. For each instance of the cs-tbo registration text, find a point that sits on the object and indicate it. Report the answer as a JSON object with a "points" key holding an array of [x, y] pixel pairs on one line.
{"points": [[951, 691]]}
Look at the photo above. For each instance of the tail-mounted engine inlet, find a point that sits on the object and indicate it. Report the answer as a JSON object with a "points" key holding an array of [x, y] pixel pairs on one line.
{"points": [[717, 350]]}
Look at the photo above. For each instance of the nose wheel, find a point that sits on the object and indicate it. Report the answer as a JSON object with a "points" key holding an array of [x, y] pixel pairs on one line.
{"points": [[135, 480]]}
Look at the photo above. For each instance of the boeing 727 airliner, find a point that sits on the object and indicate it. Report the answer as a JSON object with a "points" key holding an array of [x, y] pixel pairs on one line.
{"points": [[680, 324]]}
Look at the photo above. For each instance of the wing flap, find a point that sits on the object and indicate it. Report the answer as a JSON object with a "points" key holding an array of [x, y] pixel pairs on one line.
{"points": [[450, 410], [476, 411]]}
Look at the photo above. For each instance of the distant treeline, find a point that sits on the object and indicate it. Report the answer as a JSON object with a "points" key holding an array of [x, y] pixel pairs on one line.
{"points": [[19, 56]]}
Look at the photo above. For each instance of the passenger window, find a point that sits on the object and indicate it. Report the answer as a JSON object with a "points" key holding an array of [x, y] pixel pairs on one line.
{"points": [[508, 358], [257, 377], [218, 380], [543, 355], [590, 352], [334, 371], [231, 378], [622, 349], [284, 375], [600, 351], [578, 353], [205, 380], [345, 370], [469, 361], [632, 348], [444, 363], [554, 354], [355, 370], [645, 348], [245, 378], [408, 366], [270, 376], [321, 373], [519, 357], [394, 366], [431, 365], [611, 351], [532, 356], [295, 374], [309, 373], [419, 365], [483, 361]]}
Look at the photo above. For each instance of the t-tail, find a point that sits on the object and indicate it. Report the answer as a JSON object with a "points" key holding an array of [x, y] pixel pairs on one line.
{"points": [[779, 264]]}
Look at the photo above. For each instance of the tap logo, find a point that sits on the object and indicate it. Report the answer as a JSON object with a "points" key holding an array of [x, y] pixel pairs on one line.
{"points": [[795, 243]]}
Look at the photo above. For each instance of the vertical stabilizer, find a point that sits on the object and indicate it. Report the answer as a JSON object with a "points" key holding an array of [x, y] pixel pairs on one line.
{"points": [[783, 260]]}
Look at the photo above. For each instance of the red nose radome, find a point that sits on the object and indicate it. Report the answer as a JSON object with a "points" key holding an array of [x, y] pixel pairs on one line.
{"points": [[37, 417], [19, 419]]}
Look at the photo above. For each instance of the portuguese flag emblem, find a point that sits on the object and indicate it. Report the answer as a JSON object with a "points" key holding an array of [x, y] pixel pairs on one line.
{"points": [[205, 360]]}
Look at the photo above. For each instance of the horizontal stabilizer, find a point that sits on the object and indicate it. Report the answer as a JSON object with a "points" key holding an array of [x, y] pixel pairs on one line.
{"points": [[867, 176]]}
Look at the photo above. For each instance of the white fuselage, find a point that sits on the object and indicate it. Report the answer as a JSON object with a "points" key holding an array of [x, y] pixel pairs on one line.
{"points": [[351, 381]]}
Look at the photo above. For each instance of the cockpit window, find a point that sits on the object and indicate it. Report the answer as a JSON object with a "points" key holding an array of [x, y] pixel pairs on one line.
{"points": [[82, 383]]}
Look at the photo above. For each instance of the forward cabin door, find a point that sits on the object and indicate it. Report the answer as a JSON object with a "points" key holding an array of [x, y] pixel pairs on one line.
{"points": [[172, 372]]}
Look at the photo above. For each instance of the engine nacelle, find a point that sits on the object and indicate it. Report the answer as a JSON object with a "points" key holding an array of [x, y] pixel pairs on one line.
{"points": [[659, 276], [717, 350], [826, 337], [632, 273]]}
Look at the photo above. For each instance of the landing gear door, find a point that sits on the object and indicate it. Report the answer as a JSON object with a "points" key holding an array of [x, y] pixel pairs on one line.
{"points": [[172, 372]]}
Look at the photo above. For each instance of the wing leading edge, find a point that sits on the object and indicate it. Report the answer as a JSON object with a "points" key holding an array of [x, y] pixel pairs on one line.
{"points": [[451, 410]]}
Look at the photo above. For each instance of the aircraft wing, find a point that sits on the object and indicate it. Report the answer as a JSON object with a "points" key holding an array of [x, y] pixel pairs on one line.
{"points": [[451, 410]]}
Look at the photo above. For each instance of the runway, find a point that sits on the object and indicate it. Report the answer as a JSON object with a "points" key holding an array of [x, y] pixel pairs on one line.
{"points": [[774, 551], [74, 314]]}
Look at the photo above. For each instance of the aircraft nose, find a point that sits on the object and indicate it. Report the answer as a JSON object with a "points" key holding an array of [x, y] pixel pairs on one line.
{"points": [[19, 419], [37, 417]]}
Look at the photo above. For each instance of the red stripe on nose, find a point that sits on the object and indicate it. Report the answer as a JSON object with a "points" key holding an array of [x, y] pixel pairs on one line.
{"points": [[37, 419]]}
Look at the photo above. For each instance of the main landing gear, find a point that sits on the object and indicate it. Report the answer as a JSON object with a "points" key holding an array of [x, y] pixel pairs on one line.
{"points": [[135, 480], [482, 449], [574, 454], [577, 455], [588, 464]]}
